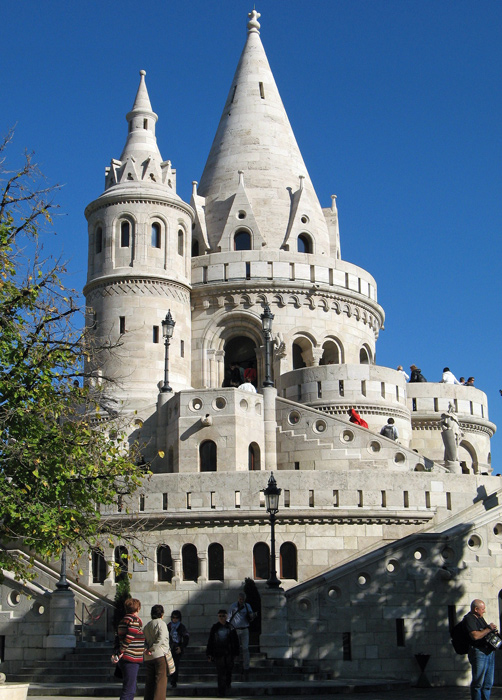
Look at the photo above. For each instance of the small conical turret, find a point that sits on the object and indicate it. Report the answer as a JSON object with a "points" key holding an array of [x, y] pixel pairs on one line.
{"points": [[141, 161], [141, 141]]}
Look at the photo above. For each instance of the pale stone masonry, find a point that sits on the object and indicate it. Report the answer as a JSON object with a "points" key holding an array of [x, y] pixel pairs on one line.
{"points": [[380, 545]]}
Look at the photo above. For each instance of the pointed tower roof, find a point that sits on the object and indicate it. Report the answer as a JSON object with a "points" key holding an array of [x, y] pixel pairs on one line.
{"points": [[141, 141], [254, 136]]}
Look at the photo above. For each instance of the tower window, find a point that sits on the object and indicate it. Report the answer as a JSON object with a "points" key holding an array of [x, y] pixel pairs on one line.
{"points": [[304, 243], [125, 230], [207, 456], [242, 241], [195, 248], [262, 91], [98, 242], [156, 235], [182, 348], [156, 334], [216, 562], [122, 326], [145, 123], [180, 241], [190, 562], [165, 569]]}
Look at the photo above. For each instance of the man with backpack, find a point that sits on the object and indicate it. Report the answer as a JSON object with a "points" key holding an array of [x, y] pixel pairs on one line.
{"points": [[389, 430], [481, 654], [240, 615]]}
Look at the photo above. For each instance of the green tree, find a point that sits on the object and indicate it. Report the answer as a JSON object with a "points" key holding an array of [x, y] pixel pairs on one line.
{"points": [[56, 468]]}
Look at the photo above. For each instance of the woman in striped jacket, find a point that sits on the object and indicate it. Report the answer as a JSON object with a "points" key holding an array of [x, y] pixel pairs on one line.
{"points": [[132, 644]]}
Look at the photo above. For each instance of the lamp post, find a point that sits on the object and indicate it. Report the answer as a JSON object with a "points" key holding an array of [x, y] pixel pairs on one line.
{"points": [[62, 584], [167, 331], [266, 323], [272, 494]]}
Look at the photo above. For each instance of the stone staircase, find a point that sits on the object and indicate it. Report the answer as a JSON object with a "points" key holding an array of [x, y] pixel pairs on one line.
{"points": [[91, 666]]}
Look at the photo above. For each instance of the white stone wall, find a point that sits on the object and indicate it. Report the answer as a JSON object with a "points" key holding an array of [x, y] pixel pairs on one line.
{"points": [[427, 401]]}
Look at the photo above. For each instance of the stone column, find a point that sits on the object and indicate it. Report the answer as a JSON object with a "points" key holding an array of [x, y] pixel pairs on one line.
{"points": [[176, 566], [275, 641], [203, 566], [270, 427], [61, 635]]}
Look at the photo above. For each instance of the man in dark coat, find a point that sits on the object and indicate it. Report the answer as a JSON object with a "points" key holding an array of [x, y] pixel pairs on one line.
{"points": [[222, 648]]}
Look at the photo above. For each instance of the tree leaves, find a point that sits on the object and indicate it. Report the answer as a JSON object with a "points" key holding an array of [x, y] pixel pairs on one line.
{"points": [[56, 468]]}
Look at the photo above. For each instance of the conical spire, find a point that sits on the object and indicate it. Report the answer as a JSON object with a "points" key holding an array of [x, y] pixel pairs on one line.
{"points": [[141, 141], [254, 136]]}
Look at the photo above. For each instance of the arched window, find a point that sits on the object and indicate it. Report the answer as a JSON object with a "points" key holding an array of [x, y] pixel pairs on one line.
{"points": [[181, 239], [364, 356], [156, 235], [195, 248], [254, 457], [331, 353], [242, 240], [261, 561], [190, 562], [125, 234], [165, 569], [207, 456], [122, 562], [298, 361], [304, 243], [289, 561], [98, 241], [216, 562], [98, 566]]}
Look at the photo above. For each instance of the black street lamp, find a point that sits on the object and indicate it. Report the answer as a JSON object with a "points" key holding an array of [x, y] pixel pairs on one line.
{"points": [[62, 584], [266, 323], [272, 494], [167, 331]]}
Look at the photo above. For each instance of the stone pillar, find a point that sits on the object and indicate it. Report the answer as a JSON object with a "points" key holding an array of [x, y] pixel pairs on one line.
{"points": [[61, 635], [275, 640], [203, 566], [317, 354], [176, 566], [270, 427], [220, 366], [212, 369]]}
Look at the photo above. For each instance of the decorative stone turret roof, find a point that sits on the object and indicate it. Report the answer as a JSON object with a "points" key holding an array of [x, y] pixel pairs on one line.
{"points": [[141, 163], [255, 138]]}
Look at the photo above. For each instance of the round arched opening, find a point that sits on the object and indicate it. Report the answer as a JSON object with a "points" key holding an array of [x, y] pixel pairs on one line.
{"points": [[240, 361], [242, 240]]}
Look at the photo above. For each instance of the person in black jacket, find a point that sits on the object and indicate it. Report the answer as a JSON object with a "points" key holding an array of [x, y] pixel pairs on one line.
{"points": [[416, 375], [222, 648], [178, 642]]}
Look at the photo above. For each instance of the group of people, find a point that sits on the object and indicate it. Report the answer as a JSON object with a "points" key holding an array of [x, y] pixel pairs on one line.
{"points": [[240, 377], [161, 647], [389, 430], [447, 378]]}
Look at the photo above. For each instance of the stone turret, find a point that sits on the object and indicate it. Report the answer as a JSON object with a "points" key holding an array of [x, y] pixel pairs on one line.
{"points": [[139, 266], [261, 237]]}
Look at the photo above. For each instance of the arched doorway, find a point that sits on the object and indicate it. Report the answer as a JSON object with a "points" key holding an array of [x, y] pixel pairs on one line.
{"points": [[240, 361]]}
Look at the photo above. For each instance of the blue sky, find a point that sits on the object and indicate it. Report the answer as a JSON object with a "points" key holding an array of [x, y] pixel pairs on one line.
{"points": [[396, 106]]}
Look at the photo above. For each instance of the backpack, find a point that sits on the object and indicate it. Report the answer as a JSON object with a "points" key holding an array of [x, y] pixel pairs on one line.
{"points": [[387, 431], [421, 378], [460, 638]]}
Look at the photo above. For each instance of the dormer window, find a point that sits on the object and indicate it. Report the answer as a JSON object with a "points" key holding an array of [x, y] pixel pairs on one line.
{"points": [[125, 234], [156, 235], [242, 240], [304, 243]]}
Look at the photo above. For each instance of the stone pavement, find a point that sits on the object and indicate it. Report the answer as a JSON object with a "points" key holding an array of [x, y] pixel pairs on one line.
{"points": [[450, 693]]}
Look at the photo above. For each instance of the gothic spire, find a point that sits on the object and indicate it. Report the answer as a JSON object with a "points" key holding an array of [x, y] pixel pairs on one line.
{"points": [[254, 136], [141, 141]]}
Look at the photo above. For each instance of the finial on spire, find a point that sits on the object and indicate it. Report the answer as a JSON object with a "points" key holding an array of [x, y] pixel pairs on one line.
{"points": [[253, 24], [142, 72], [333, 202], [241, 177]]}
